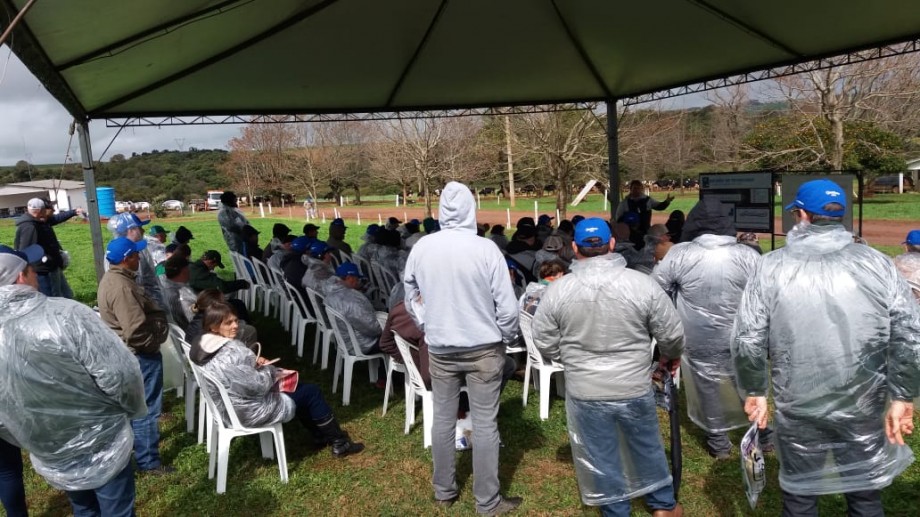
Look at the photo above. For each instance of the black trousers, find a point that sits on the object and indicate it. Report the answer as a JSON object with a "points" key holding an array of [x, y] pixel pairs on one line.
{"points": [[867, 503]]}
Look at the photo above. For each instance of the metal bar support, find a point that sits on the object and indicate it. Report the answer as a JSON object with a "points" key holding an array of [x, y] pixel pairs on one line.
{"points": [[92, 208]]}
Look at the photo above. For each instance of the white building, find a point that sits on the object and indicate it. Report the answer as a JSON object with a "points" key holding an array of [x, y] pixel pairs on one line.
{"points": [[67, 194]]}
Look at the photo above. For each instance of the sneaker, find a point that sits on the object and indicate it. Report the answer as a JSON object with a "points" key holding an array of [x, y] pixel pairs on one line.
{"points": [[162, 470], [446, 503], [506, 505]]}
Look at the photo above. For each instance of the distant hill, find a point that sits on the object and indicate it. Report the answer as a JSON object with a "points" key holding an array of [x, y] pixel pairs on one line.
{"points": [[142, 177]]}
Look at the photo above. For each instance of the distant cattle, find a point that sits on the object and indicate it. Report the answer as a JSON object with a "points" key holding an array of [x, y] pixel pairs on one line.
{"points": [[486, 191]]}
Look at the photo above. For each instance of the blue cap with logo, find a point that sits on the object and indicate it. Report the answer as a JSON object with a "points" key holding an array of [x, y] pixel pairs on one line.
{"points": [[913, 238], [302, 244], [121, 223], [33, 254], [592, 233], [318, 248], [121, 248], [814, 195], [348, 269]]}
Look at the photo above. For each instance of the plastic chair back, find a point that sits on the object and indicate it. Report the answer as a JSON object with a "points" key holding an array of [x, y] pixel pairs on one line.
{"points": [[205, 379], [526, 322], [298, 300], [344, 333], [318, 302], [405, 350]]}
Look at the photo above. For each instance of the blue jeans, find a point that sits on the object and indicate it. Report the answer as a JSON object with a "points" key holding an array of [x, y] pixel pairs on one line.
{"points": [[44, 285], [113, 499], [311, 406], [619, 454], [146, 430], [12, 489], [481, 368]]}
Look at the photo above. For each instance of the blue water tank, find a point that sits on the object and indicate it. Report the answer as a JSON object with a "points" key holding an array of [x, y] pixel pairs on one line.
{"points": [[106, 198]]}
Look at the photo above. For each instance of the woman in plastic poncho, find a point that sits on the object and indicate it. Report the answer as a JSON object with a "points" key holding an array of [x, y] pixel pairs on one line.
{"points": [[252, 384]]}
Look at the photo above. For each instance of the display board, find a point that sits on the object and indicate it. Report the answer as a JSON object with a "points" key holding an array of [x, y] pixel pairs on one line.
{"points": [[747, 196], [791, 183]]}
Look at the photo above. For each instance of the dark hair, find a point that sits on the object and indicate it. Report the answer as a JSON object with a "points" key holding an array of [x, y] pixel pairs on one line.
{"points": [[228, 198], [207, 298], [915, 248], [635, 182], [388, 238], [593, 251], [215, 315], [551, 268], [830, 207], [497, 230], [183, 250], [566, 226]]}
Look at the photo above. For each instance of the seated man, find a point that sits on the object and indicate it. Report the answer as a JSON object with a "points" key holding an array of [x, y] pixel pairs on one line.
{"points": [[202, 275], [343, 295], [549, 271], [279, 232], [179, 297], [274, 261], [319, 267]]}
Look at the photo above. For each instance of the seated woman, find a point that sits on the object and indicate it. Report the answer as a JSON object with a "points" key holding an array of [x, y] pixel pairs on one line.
{"points": [[246, 333], [253, 384]]}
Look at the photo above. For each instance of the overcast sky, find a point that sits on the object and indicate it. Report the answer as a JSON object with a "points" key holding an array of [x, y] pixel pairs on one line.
{"points": [[33, 125]]}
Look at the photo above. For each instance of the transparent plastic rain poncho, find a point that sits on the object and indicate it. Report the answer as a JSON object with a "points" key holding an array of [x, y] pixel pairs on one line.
{"points": [[838, 331], [251, 389], [147, 269], [316, 274], [706, 278], [70, 389], [908, 265]]}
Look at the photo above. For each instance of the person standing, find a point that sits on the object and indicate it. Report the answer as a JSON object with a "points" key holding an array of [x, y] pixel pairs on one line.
{"points": [[908, 263], [832, 326], [36, 227], [706, 278], [457, 288], [69, 390], [141, 324], [130, 226], [637, 202], [232, 221], [598, 321]]}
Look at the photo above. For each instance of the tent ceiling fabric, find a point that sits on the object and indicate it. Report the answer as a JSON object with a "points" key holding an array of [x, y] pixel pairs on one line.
{"points": [[112, 59]]}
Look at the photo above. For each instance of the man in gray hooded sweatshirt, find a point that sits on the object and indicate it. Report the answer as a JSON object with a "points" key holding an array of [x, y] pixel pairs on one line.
{"points": [[458, 290]]}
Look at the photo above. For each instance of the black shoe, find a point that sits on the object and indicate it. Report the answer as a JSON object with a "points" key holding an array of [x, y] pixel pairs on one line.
{"points": [[162, 470], [446, 503], [720, 455], [506, 505], [342, 448]]}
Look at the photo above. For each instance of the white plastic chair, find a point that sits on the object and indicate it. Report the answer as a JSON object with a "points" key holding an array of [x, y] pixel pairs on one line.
{"points": [[323, 328], [273, 296], [349, 353], [286, 304], [191, 386], [248, 295], [222, 435], [302, 317], [392, 366], [544, 369], [415, 387]]}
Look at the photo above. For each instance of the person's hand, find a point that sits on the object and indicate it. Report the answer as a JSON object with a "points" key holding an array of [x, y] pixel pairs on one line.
{"points": [[899, 421], [260, 361], [671, 365], [80, 212], [756, 409]]}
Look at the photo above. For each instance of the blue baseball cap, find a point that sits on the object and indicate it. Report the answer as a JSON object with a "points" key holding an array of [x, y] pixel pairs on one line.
{"points": [[121, 248], [630, 218], [318, 248], [592, 233], [913, 238], [121, 223], [33, 254], [814, 195], [338, 221], [348, 269], [302, 244]]}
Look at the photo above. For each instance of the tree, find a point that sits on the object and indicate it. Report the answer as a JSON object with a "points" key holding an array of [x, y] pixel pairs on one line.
{"points": [[261, 157], [417, 142]]}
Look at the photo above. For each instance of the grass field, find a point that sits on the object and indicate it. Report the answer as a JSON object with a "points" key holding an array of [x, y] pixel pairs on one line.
{"points": [[393, 476]]}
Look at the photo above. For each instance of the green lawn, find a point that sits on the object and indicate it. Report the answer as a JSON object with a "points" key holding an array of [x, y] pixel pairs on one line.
{"points": [[393, 476]]}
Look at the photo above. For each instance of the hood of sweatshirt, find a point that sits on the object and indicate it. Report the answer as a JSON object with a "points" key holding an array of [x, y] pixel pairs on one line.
{"points": [[458, 208]]}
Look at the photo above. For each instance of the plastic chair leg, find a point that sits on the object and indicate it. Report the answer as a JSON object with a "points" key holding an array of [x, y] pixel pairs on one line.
{"points": [[346, 389], [338, 371], [327, 341], [316, 344], [189, 406], [223, 459], [372, 370], [410, 405], [212, 452], [293, 328], [526, 381], [427, 418], [544, 395], [202, 418], [281, 452], [389, 387]]}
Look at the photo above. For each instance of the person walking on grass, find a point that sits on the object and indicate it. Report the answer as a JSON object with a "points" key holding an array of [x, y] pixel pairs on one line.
{"points": [[457, 289], [599, 321], [833, 329]]}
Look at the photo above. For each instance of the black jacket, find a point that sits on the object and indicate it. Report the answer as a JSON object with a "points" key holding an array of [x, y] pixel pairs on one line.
{"points": [[30, 230]]}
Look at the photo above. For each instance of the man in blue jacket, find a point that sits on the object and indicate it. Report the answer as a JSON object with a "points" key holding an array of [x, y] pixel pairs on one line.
{"points": [[458, 290]]}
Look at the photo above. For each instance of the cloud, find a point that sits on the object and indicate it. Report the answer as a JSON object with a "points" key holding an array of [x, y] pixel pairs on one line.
{"points": [[34, 126]]}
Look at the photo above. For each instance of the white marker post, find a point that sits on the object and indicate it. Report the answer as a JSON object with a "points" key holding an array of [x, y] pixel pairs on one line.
{"points": [[536, 208], [324, 217], [557, 217], [606, 192], [261, 210], [397, 200], [359, 218], [478, 202], [405, 217], [269, 209], [379, 219], [508, 210]]}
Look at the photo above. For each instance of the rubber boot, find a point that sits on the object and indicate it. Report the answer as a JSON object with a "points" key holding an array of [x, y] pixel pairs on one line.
{"points": [[341, 444], [319, 439]]}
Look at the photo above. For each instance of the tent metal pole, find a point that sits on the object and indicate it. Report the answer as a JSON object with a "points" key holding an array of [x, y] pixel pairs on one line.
{"points": [[22, 12], [92, 208], [613, 157]]}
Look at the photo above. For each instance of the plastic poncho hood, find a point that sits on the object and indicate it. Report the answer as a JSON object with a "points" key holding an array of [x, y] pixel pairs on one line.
{"points": [[706, 278], [70, 388], [457, 208], [707, 217], [840, 333]]}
